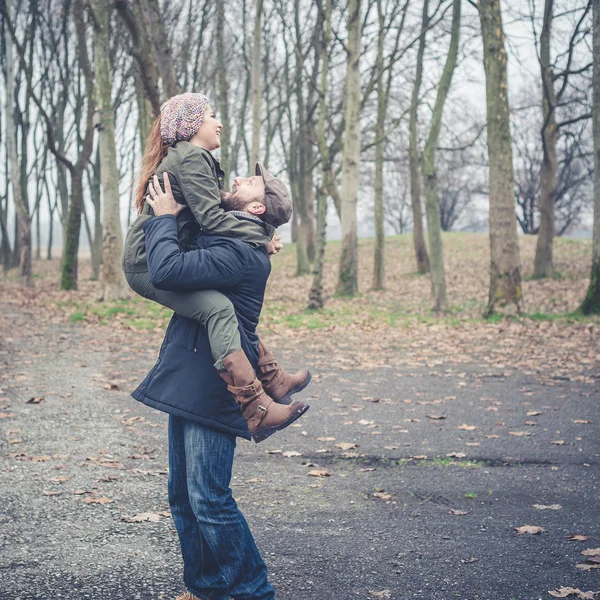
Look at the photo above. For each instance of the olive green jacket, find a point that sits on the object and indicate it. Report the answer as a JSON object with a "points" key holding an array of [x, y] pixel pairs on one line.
{"points": [[196, 179]]}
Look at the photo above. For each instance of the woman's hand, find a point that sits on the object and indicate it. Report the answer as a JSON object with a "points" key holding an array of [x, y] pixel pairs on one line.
{"points": [[275, 245], [163, 203]]}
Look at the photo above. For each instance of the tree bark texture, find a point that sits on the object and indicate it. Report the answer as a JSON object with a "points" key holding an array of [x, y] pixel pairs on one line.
{"points": [[19, 198], [413, 153], [112, 280], [379, 257], [432, 196], [591, 303], [70, 261], [544, 264], [505, 266], [223, 93], [348, 273], [256, 87], [315, 297]]}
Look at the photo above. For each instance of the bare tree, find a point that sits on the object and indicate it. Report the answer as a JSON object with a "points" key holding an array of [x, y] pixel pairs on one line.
{"points": [[315, 298], [591, 303], [348, 274], [223, 95], [256, 87], [432, 201], [114, 286], [505, 265], [415, 175]]}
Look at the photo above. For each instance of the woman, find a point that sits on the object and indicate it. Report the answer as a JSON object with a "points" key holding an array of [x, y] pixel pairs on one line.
{"points": [[179, 144]]}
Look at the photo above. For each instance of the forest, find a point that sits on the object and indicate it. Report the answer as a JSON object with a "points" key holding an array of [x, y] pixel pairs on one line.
{"points": [[416, 116]]}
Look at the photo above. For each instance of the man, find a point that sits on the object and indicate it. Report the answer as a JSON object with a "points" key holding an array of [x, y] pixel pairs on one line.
{"points": [[220, 557]]}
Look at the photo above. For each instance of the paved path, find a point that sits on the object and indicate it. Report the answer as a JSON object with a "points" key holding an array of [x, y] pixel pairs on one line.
{"points": [[324, 538]]}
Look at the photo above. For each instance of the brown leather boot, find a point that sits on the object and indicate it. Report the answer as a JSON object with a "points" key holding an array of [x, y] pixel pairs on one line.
{"points": [[187, 596], [277, 383], [264, 417]]}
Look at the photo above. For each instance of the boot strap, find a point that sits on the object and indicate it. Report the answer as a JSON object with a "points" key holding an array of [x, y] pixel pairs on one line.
{"points": [[267, 359], [259, 414], [246, 390]]}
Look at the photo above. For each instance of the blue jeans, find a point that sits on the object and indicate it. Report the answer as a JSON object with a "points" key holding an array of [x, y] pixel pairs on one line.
{"points": [[220, 558]]}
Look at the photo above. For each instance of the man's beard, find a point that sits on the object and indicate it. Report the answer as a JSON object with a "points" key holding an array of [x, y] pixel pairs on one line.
{"points": [[230, 201]]}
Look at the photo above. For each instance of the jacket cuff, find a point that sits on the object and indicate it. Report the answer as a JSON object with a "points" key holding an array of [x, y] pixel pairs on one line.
{"points": [[149, 222]]}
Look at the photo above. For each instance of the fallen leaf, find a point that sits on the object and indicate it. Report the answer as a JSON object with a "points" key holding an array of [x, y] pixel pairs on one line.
{"points": [[34, 400], [532, 413], [456, 512], [291, 453], [559, 442], [346, 445], [529, 529], [51, 493], [420, 456], [95, 500], [326, 439], [364, 469], [582, 421], [274, 452], [587, 567], [576, 537], [456, 455], [436, 417], [382, 594], [319, 473], [520, 433], [565, 592], [492, 436], [466, 427], [58, 479], [383, 496], [547, 506], [591, 552], [5, 415]]}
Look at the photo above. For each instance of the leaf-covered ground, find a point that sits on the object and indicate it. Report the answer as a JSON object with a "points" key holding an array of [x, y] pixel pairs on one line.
{"points": [[443, 457]]}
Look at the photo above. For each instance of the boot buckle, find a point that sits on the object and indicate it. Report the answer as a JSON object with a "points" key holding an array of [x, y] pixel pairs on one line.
{"points": [[264, 412]]}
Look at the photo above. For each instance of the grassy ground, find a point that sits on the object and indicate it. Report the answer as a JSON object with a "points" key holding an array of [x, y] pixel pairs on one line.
{"points": [[404, 302], [378, 328]]}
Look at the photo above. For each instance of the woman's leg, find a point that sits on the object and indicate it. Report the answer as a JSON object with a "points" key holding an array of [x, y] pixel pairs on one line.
{"points": [[201, 572], [208, 463], [209, 307]]}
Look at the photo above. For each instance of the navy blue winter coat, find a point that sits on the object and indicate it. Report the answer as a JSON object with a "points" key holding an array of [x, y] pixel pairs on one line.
{"points": [[184, 381]]}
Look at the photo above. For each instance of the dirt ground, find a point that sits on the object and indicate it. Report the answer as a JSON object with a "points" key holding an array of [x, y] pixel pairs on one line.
{"points": [[420, 455]]}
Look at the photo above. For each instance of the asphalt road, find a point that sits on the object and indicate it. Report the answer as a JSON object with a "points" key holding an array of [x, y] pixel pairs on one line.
{"points": [[377, 523]]}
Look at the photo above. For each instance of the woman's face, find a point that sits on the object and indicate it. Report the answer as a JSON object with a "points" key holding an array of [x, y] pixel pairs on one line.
{"points": [[209, 134]]}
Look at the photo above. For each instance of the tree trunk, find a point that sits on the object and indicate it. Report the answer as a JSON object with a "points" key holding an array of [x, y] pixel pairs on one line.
{"points": [[96, 239], [70, 261], [223, 95], [544, 265], [505, 265], [591, 303], [315, 297], [413, 153], [256, 88], [19, 197], [348, 274], [379, 258], [112, 280], [160, 43], [432, 196]]}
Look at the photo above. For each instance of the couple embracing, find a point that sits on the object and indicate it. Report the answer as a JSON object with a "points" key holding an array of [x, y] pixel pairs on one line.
{"points": [[206, 254]]}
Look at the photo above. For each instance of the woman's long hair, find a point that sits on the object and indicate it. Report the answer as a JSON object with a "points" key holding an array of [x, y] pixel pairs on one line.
{"points": [[153, 154]]}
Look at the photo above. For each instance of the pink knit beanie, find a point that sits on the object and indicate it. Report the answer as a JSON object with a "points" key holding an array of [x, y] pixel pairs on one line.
{"points": [[181, 117]]}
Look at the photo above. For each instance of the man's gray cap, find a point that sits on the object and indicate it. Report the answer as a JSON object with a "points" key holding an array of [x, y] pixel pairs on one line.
{"points": [[278, 201]]}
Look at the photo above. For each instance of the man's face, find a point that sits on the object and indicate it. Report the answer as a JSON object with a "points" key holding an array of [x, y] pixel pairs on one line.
{"points": [[249, 189]]}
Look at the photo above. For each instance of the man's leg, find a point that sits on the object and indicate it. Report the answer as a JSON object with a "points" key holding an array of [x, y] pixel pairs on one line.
{"points": [[201, 572], [209, 459]]}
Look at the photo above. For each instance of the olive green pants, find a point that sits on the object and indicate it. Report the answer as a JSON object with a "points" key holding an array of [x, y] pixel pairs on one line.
{"points": [[210, 308]]}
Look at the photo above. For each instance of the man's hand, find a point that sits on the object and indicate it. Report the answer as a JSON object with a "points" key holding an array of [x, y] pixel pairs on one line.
{"points": [[275, 245], [163, 203]]}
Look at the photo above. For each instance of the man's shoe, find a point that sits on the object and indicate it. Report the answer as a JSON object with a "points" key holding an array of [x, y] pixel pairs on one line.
{"points": [[263, 416], [276, 382]]}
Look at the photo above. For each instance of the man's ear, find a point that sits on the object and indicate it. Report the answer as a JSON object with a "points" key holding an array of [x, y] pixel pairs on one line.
{"points": [[257, 208]]}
